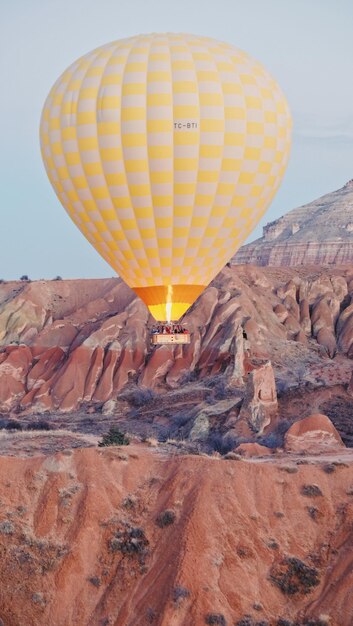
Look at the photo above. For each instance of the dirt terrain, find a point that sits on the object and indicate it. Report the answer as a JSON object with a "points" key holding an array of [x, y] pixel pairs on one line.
{"points": [[136, 535]]}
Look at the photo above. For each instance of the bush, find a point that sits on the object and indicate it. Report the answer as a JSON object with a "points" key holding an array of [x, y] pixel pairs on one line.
{"points": [[215, 619], [141, 396], [312, 491], [222, 443], [313, 512], [24, 277], [150, 615], [179, 594], [329, 468], [114, 438], [276, 437], [166, 518], [180, 419], [249, 621], [220, 390], [6, 528], [282, 387], [292, 576], [39, 425], [129, 541], [57, 278], [13, 425], [164, 434]]}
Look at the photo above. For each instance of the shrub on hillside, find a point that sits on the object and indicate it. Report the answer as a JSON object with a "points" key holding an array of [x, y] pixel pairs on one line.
{"points": [[114, 438], [275, 439], [249, 621], [130, 541], [166, 518], [222, 443], [215, 619], [39, 425], [180, 594], [292, 577], [312, 491], [13, 425], [141, 396]]}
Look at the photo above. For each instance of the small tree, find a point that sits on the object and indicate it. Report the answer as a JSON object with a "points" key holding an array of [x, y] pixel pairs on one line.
{"points": [[24, 277], [114, 438]]}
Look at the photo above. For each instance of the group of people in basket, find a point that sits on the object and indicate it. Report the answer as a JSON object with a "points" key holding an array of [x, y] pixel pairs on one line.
{"points": [[169, 329]]}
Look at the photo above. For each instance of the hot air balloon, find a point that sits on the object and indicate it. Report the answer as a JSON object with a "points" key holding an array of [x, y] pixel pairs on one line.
{"points": [[166, 150]]}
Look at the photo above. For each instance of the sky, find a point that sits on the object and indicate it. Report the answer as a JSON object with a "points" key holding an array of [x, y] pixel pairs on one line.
{"points": [[307, 45]]}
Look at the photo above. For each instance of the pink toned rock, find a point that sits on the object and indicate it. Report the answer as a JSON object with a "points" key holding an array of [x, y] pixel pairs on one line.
{"points": [[105, 387], [281, 312], [321, 316], [318, 233], [292, 325], [48, 363], [68, 391], [88, 339], [186, 357], [260, 402], [292, 306], [249, 450], [345, 336], [13, 373], [58, 334], [304, 317], [313, 434], [326, 338], [301, 337], [94, 373], [157, 367]]}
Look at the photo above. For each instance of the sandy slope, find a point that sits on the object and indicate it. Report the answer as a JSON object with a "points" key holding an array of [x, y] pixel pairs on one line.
{"points": [[70, 556]]}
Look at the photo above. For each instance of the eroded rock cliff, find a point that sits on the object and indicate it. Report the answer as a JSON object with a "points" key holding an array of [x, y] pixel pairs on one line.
{"points": [[72, 344], [318, 233]]}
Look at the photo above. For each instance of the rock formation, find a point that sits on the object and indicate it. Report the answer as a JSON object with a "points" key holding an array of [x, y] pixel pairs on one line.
{"points": [[260, 406], [313, 435], [318, 233], [70, 345]]}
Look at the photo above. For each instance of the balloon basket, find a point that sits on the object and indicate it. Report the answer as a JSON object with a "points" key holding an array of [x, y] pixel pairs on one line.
{"points": [[166, 334]]}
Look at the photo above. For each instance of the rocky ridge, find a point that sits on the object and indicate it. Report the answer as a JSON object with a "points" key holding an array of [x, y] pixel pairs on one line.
{"points": [[83, 346], [318, 233]]}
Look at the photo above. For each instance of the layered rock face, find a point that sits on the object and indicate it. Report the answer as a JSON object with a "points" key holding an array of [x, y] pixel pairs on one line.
{"points": [[67, 345], [318, 233]]}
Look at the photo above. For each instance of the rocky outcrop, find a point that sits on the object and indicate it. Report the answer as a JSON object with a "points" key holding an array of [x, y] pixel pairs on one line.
{"points": [[260, 406], [250, 450], [313, 435], [318, 233], [72, 344]]}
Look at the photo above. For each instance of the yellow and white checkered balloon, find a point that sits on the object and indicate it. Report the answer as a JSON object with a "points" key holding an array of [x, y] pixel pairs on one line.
{"points": [[166, 150]]}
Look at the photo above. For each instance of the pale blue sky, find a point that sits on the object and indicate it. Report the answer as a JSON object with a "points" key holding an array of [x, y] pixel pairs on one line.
{"points": [[306, 44]]}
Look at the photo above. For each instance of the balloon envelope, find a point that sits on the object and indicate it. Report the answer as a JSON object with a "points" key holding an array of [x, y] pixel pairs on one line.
{"points": [[166, 150]]}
